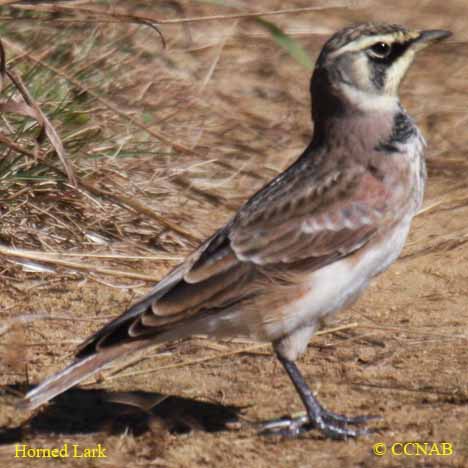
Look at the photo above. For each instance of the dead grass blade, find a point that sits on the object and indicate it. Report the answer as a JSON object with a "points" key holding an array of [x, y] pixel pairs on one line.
{"points": [[440, 243], [416, 331], [122, 14], [7, 2], [109, 13], [121, 200], [446, 199], [18, 253], [140, 208], [2, 64], [172, 258], [7, 324], [249, 349]]}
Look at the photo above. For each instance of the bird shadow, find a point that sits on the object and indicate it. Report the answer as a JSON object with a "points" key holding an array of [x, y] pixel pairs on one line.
{"points": [[82, 411]]}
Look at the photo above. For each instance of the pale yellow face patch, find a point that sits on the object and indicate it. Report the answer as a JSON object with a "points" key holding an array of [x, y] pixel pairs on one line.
{"points": [[357, 68], [396, 72]]}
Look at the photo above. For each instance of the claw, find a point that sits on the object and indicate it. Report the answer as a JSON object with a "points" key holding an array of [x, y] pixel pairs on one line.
{"points": [[284, 426], [293, 427], [345, 420]]}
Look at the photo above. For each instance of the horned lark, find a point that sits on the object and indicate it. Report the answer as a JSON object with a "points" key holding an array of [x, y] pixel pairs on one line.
{"points": [[309, 242]]}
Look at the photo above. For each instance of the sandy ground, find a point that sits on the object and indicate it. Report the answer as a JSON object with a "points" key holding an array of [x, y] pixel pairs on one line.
{"points": [[402, 352]]}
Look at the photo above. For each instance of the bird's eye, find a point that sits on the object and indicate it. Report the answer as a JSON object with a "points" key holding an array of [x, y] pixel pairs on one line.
{"points": [[380, 50]]}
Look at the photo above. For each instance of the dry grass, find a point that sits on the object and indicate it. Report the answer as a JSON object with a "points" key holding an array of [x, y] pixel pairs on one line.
{"points": [[163, 140]]}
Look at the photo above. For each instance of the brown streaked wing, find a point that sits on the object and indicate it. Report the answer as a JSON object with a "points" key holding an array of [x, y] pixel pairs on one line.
{"points": [[340, 218], [318, 225], [309, 222]]}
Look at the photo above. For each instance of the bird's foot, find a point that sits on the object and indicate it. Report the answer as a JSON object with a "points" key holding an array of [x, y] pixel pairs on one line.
{"points": [[332, 425], [342, 419]]}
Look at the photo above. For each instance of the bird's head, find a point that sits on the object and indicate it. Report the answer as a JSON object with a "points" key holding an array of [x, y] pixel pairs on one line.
{"points": [[361, 67]]}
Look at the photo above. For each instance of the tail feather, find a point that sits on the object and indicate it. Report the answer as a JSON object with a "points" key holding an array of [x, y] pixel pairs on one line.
{"points": [[76, 372]]}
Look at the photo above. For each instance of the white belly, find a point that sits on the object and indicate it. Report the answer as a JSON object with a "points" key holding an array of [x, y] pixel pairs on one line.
{"points": [[337, 284]]}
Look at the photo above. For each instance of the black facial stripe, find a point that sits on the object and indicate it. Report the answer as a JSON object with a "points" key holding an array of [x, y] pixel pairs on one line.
{"points": [[380, 64], [398, 49], [378, 72]]}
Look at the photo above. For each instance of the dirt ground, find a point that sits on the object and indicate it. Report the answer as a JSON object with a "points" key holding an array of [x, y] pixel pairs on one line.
{"points": [[401, 352]]}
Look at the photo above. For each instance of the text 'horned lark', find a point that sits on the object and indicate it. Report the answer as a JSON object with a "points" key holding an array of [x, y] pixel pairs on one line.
{"points": [[308, 243]]}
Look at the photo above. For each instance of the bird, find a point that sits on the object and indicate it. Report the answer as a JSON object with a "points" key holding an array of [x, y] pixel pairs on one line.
{"points": [[308, 243]]}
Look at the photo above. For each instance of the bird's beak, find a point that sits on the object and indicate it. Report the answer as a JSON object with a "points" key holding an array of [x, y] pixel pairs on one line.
{"points": [[430, 36]]}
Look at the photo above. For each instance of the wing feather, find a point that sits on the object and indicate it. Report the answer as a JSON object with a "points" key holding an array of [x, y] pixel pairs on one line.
{"points": [[291, 224]]}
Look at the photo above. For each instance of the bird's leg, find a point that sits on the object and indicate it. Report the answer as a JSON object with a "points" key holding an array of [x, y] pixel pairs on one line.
{"points": [[331, 424]]}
